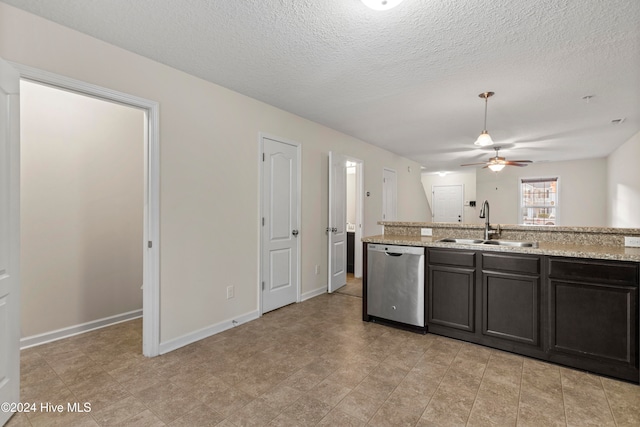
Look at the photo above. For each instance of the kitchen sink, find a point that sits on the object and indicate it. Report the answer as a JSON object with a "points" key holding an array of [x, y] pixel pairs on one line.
{"points": [[462, 241], [511, 243]]}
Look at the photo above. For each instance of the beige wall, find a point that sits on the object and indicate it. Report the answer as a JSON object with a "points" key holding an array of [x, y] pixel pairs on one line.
{"points": [[623, 181], [81, 209], [583, 191], [209, 222]]}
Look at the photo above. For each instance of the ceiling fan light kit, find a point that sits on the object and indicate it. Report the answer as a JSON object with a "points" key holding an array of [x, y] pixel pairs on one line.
{"points": [[484, 139], [381, 4]]}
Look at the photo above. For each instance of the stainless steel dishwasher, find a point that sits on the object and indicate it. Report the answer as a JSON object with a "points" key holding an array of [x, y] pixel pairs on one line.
{"points": [[395, 283]]}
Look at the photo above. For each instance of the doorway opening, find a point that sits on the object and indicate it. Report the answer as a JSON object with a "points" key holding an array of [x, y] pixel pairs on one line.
{"points": [[352, 197], [94, 196], [355, 206]]}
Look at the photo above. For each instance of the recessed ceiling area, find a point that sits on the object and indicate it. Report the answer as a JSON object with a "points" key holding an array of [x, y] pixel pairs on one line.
{"points": [[405, 79]]}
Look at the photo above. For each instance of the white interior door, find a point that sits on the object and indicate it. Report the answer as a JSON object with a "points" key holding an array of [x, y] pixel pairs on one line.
{"points": [[337, 229], [447, 203], [9, 237], [280, 224], [389, 195]]}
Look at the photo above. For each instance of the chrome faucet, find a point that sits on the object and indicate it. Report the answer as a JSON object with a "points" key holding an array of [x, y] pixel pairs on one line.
{"points": [[484, 213]]}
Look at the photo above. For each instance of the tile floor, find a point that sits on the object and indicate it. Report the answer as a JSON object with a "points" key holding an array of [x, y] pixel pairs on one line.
{"points": [[313, 363]]}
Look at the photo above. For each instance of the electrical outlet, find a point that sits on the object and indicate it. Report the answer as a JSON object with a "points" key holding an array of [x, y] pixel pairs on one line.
{"points": [[426, 232], [317, 269], [632, 241], [230, 292]]}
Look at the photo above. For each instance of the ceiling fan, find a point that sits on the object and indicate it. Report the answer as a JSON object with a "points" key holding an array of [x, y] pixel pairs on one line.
{"points": [[497, 163]]}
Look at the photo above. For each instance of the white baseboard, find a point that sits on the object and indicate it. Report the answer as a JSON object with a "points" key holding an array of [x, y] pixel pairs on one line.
{"points": [[203, 333], [314, 293], [70, 331]]}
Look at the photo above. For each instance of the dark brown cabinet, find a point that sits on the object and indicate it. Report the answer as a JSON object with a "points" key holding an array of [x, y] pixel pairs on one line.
{"points": [[488, 298], [593, 315], [511, 294], [581, 313], [350, 251], [451, 292]]}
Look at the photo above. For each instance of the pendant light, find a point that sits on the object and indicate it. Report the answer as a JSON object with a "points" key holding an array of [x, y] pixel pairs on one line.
{"points": [[485, 139], [381, 4]]}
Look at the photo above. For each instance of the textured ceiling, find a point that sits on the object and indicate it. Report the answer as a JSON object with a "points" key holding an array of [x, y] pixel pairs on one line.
{"points": [[406, 79]]}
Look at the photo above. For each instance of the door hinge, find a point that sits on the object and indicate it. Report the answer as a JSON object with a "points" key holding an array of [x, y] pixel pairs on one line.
{"points": [[263, 286], [263, 221], [149, 244], [263, 157]]}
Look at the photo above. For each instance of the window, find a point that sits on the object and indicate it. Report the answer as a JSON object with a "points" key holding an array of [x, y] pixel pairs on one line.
{"points": [[539, 201]]}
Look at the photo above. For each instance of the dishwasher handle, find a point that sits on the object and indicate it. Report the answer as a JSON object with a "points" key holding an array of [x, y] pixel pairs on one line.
{"points": [[393, 254]]}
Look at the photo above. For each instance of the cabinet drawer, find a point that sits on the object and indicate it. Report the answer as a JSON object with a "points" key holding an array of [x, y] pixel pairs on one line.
{"points": [[511, 263], [452, 257], [615, 272]]}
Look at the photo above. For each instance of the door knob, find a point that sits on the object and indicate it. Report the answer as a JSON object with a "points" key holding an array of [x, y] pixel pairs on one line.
{"points": [[334, 229], [295, 233]]}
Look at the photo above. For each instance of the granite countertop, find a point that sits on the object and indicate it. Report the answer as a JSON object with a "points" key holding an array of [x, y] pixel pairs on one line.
{"points": [[480, 226], [619, 253]]}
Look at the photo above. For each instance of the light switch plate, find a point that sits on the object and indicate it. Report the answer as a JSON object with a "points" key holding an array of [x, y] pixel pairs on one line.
{"points": [[426, 232], [633, 242]]}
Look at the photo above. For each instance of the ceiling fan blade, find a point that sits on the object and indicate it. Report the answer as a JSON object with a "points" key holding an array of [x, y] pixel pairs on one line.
{"points": [[522, 161], [514, 163], [474, 164]]}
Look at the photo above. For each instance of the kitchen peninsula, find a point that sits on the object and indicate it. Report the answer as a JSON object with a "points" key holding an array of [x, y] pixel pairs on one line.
{"points": [[569, 296]]}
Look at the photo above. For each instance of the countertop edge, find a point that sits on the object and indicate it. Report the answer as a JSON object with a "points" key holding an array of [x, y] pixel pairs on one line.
{"points": [[551, 249]]}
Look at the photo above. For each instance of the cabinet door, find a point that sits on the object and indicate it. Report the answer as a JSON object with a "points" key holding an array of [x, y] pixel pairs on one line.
{"points": [[593, 315], [593, 320], [451, 297], [511, 307]]}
